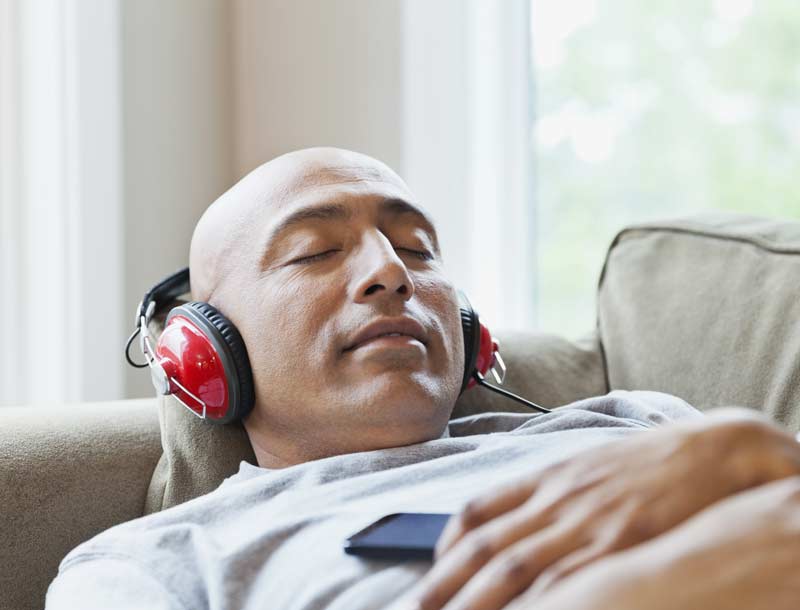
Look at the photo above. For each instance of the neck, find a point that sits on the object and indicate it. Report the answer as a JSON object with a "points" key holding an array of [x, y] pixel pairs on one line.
{"points": [[273, 453]]}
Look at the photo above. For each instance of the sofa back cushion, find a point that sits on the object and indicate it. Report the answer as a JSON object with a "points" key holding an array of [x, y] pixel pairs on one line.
{"points": [[706, 308]]}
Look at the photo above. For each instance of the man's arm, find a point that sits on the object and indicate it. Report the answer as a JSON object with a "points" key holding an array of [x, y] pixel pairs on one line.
{"points": [[103, 583], [555, 522]]}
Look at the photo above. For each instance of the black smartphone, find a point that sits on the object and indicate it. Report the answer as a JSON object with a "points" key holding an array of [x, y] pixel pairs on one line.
{"points": [[398, 536]]}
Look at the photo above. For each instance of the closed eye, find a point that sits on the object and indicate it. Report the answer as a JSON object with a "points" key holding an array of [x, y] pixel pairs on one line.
{"points": [[314, 257], [424, 255]]}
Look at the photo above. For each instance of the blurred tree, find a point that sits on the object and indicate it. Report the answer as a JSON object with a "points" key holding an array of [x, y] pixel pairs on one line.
{"points": [[655, 110]]}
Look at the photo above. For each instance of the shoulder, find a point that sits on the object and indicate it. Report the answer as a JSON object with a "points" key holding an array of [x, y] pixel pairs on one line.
{"points": [[650, 407], [153, 547], [116, 582], [618, 408]]}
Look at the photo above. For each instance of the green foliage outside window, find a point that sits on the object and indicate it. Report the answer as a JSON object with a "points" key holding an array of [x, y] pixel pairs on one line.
{"points": [[649, 110]]}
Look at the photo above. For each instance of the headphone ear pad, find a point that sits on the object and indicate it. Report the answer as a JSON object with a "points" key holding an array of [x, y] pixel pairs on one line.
{"points": [[471, 329], [233, 354]]}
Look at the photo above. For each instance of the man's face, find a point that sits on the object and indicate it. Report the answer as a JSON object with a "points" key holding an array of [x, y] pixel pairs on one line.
{"points": [[339, 251]]}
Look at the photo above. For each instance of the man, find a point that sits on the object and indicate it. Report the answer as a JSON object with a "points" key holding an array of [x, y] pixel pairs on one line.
{"points": [[314, 257]]}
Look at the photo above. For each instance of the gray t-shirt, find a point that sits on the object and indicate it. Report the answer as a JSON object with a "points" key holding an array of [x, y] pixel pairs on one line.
{"points": [[274, 538]]}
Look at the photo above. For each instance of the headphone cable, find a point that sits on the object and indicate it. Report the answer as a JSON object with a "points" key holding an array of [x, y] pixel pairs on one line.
{"points": [[128, 350], [479, 378]]}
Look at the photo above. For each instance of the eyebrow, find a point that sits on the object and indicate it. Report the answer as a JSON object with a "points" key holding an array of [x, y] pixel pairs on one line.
{"points": [[338, 211]]}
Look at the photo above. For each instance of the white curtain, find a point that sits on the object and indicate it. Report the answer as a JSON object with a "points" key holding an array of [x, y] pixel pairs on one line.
{"points": [[467, 146], [60, 202]]}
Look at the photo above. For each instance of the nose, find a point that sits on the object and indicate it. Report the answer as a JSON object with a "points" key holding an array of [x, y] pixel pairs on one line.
{"points": [[381, 275]]}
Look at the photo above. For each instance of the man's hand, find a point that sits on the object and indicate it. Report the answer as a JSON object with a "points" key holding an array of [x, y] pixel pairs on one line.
{"points": [[741, 553], [547, 526]]}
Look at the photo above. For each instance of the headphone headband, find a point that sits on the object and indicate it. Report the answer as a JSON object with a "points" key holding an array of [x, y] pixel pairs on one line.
{"points": [[163, 293]]}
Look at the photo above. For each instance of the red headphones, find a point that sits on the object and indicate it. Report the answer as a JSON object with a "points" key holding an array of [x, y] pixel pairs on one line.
{"points": [[201, 358]]}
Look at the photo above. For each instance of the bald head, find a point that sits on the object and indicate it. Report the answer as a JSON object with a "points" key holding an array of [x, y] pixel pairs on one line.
{"points": [[225, 233], [305, 256]]}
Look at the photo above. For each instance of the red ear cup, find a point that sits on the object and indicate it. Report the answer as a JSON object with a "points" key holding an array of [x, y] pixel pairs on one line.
{"points": [[481, 353], [204, 357], [486, 354], [188, 357], [479, 347]]}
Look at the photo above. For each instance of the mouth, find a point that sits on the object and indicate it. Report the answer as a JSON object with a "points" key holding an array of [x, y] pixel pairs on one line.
{"points": [[393, 340], [389, 332]]}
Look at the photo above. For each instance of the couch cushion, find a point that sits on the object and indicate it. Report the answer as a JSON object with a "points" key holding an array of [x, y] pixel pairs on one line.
{"points": [[706, 308], [197, 457]]}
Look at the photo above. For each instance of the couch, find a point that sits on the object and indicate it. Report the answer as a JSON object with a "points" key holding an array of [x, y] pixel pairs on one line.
{"points": [[704, 307]]}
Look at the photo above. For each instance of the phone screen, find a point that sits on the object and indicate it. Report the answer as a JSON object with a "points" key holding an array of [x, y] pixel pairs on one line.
{"points": [[399, 536]]}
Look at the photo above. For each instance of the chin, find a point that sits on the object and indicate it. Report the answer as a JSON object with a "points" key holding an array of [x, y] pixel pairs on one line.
{"points": [[404, 388], [394, 414], [419, 408]]}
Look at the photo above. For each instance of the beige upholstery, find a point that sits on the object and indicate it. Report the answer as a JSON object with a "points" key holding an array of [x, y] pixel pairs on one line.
{"points": [[701, 308], [197, 456], [708, 309], [67, 473]]}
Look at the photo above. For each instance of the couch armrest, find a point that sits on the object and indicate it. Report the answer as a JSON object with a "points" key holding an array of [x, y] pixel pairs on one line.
{"points": [[67, 472]]}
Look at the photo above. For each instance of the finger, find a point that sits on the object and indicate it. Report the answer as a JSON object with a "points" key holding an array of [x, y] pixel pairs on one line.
{"points": [[512, 571], [569, 565], [622, 527], [475, 550], [477, 547], [732, 413], [478, 511]]}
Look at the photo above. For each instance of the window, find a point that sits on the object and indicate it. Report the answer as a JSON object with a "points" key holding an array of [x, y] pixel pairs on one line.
{"points": [[655, 110]]}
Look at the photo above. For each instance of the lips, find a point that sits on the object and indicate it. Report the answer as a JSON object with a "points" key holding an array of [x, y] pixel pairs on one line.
{"points": [[386, 326]]}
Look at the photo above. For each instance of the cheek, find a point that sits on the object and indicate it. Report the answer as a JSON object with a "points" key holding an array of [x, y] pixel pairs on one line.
{"points": [[441, 296], [287, 330], [456, 336]]}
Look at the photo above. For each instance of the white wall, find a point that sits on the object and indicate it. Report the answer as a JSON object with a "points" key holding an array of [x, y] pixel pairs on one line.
{"points": [[437, 90], [312, 72], [178, 155]]}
